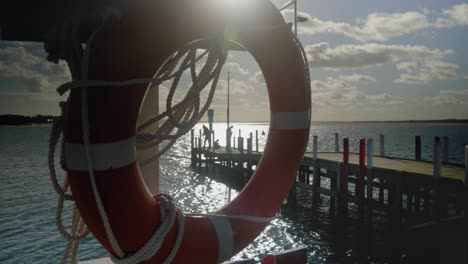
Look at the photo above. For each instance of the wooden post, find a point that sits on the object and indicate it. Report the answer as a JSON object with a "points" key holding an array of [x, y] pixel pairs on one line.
{"points": [[466, 169], [417, 148], [213, 138], [343, 181], [192, 147], [359, 190], [316, 181], [370, 163], [437, 166], [256, 140], [249, 156], [337, 142], [382, 145], [466, 187], [234, 142], [445, 150], [240, 133], [397, 197], [199, 152], [333, 191]]}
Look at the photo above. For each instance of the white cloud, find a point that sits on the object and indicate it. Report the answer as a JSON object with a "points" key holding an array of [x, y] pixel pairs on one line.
{"points": [[455, 92], [30, 71], [339, 92], [425, 71], [449, 97], [235, 68], [457, 15], [258, 77], [348, 56], [381, 26], [358, 78], [377, 26]]}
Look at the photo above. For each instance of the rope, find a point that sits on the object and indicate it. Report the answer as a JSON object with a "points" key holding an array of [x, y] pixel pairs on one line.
{"points": [[181, 116]]}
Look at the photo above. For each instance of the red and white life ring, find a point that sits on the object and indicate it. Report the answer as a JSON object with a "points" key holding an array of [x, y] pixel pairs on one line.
{"points": [[138, 45]]}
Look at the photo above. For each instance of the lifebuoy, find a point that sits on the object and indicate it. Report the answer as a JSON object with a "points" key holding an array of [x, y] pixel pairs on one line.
{"points": [[137, 46]]}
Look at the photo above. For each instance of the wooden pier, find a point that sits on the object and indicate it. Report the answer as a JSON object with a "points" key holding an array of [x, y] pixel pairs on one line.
{"points": [[397, 186]]}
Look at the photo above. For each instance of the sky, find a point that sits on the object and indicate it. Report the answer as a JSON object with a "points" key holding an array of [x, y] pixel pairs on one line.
{"points": [[369, 60]]}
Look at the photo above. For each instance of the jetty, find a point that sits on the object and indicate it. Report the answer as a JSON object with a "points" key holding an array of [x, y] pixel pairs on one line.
{"points": [[433, 189]]}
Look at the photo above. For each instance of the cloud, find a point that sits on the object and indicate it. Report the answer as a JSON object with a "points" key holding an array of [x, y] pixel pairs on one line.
{"points": [[30, 71], [235, 68], [258, 78], [321, 55], [425, 71], [380, 26], [340, 92], [377, 26], [449, 97], [358, 78], [457, 15]]}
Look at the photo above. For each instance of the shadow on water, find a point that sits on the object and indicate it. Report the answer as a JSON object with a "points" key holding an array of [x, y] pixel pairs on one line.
{"points": [[355, 238]]}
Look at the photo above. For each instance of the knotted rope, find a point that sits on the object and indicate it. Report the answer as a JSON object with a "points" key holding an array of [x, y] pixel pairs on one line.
{"points": [[181, 117]]}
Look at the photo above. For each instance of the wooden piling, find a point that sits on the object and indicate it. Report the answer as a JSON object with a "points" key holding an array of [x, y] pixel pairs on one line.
{"points": [[249, 158], [316, 181], [359, 190], [370, 164], [465, 200], [445, 150], [382, 145], [256, 140], [417, 148], [396, 197], [343, 180], [437, 165], [192, 146], [337, 142]]}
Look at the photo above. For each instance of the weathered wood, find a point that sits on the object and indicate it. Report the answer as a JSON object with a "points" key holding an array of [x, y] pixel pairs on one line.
{"points": [[437, 164], [256, 140], [362, 169], [417, 148], [370, 163]]}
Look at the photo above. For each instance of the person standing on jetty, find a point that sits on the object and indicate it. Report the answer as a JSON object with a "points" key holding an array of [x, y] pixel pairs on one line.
{"points": [[207, 135]]}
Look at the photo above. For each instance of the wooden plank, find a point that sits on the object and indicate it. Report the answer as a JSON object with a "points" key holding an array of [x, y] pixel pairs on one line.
{"points": [[398, 164]]}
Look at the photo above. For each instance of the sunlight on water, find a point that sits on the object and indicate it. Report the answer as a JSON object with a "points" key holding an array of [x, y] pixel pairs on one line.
{"points": [[28, 201]]}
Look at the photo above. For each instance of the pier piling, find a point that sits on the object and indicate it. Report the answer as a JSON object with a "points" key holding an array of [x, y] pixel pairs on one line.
{"points": [[337, 142], [417, 148]]}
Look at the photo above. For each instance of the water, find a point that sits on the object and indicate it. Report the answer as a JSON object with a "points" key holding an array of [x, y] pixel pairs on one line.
{"points": [[27, 200]]}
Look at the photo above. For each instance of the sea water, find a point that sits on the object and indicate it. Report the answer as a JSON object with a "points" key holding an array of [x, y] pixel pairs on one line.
{"points": [[28, 233]]}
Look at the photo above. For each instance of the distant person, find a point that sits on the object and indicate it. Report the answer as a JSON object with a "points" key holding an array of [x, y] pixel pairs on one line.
{"points": [[207, 135], [216, 144], [263, 132]]}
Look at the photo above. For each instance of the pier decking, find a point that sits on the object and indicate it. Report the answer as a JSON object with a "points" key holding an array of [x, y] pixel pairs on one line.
{"points": [[396, 185]]}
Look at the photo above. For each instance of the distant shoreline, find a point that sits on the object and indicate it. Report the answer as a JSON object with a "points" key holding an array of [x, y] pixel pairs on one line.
{"points": [[439, 121], [39, 120]]}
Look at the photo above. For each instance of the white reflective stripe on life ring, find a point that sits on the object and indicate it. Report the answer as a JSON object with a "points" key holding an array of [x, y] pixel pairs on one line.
{"points": [[289, 120], [225, 237], [104, 156]]}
